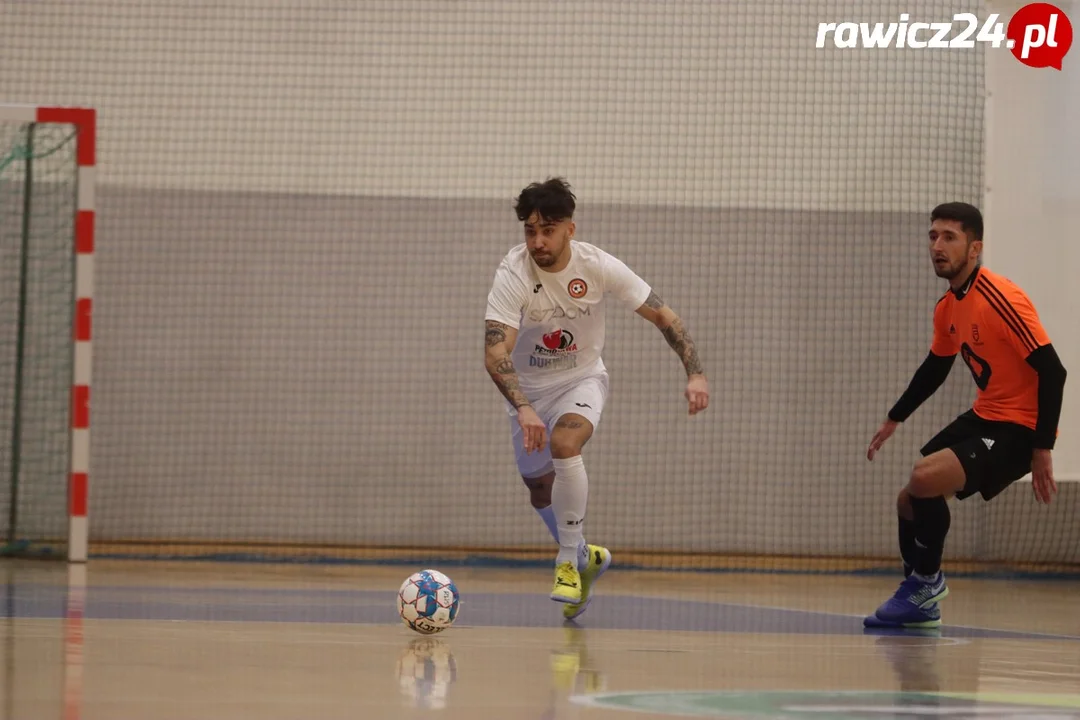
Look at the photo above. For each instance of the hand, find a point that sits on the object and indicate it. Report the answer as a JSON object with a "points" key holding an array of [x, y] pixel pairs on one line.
{"points": [[1042, 476], [533, 427], [884, 433], [697, 393]]}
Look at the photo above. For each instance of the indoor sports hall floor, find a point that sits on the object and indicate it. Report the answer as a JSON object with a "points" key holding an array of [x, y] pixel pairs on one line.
{"points": [[127, 640]]}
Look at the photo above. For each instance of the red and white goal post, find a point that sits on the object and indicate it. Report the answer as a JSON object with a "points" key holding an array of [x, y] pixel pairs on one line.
{"points": [[84, 123]]}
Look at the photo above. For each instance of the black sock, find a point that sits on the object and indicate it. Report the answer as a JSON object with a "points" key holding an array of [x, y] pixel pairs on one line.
{"points": [[908, 549], [932, 520]]}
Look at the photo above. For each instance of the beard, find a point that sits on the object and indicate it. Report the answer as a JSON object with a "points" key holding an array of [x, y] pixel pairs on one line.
{"points": [[948, 270], [544, 260]]}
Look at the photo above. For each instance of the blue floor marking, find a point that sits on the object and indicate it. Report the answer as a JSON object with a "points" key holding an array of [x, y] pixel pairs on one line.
{"points": [[371, 607], [485, 561]]}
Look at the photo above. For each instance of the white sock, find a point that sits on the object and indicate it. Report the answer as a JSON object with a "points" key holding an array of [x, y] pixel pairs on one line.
{"points": [[569, 498], [548, 516]]}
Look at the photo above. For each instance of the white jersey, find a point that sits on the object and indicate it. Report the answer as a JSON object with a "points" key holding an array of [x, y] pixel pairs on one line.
{"points": [[560, 316]]}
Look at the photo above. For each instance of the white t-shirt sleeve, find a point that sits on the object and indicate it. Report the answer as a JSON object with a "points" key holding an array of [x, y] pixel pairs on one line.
{"points": [[505, 300], [624, 283]]}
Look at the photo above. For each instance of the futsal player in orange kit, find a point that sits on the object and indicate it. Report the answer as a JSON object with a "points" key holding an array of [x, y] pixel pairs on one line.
{"points": [[1010, 430]]}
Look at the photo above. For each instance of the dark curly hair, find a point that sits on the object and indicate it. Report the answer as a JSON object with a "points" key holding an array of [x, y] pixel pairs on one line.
{"points": [[552, 199]]}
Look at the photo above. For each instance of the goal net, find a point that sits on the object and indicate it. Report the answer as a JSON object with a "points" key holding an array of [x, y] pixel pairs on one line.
{"points": [[42, 401]]}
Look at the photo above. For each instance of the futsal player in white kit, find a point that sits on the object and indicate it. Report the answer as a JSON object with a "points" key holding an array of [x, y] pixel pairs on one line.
{"points": [[544, 338]]}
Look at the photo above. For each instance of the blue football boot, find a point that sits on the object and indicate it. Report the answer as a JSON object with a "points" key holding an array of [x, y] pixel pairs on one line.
{"points": [[915, 605]]}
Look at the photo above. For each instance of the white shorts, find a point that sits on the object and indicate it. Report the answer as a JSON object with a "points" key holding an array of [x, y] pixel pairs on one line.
{"points": [[585, 398]]}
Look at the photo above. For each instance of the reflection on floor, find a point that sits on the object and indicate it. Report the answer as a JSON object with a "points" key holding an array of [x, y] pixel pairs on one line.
{"points": [[173, 640]]}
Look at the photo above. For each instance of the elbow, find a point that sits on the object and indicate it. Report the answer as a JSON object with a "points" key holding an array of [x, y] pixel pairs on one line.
{"points": [[493, 356], [665, 319], [1054, 375], [1062, 373], [1048, 365]]}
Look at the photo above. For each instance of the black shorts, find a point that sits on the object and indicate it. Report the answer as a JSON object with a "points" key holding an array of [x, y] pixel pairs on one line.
{"points": [[994, 454]]}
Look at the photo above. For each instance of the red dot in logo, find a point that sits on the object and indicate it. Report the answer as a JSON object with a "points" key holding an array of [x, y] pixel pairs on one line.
{"points": [[1039, 35], [552, 340], [577, 288]]}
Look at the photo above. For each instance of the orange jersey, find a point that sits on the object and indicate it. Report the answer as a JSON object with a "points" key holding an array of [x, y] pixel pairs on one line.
{"points": [[994, 328]]}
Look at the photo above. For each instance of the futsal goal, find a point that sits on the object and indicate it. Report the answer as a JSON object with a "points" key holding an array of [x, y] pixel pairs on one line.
{"points": [[47, 158]]}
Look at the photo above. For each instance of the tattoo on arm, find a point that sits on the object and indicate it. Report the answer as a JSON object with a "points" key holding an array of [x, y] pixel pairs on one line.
{"points": [[506, 379], [494, 333], [502, 370], [654, 301], [683, 345]]}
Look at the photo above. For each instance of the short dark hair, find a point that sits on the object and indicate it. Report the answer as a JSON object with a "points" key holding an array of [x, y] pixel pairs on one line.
{"points": [[552, 199], [968, 216]]}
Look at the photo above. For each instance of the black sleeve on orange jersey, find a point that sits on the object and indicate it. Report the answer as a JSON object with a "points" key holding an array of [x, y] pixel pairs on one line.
{"points": [[928, 378], [1052, 374]]}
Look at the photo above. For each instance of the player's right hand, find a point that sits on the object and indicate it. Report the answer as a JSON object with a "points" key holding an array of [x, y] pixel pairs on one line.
{"points": [[533, 428], [884, 433], [1042, 476]]}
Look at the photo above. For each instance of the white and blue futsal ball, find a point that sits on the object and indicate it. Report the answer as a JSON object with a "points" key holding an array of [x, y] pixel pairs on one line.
{"points": [[428, 602]]}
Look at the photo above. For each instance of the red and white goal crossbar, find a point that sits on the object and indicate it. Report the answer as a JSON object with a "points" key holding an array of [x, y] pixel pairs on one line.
{"points": [[84, 121]]}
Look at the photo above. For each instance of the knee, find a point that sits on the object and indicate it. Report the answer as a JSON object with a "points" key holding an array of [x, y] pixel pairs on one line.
{"points": [[922, 483], [540, 498], [540, 490], [903, 506], [564, 446]]}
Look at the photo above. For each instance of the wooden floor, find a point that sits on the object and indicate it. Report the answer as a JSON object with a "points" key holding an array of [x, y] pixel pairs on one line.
{"points": [[170, 641]]}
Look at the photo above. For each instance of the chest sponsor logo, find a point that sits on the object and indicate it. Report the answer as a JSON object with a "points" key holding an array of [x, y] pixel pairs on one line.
{"points": [[542, 315], [557, 342], [557, 351], [979, 367]]}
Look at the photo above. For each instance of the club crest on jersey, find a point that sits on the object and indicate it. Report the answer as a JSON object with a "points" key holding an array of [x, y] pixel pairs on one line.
{"points": [[577, 288]]}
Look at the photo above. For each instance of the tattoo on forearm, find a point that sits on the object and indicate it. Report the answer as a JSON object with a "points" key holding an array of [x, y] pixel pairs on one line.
{"points": [[506, 379], [494, 333], [683, 345], [502, 370], [506, 367], [654, 301]]}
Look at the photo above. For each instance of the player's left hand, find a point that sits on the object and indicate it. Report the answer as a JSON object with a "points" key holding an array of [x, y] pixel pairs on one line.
{"points": [[697, 393], [1042, 476]]}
